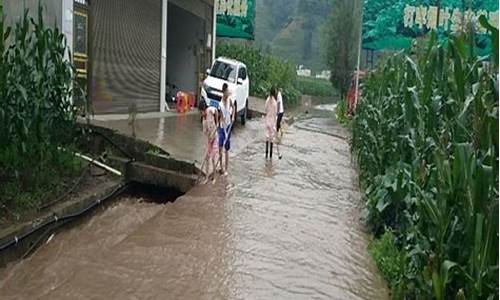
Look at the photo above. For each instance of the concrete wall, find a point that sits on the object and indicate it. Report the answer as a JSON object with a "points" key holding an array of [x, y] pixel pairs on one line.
{"points": [[52, 10], [185, 38]]}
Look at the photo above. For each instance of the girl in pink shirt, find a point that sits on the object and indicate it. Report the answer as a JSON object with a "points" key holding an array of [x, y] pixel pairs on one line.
{"points": [[210, 124]]}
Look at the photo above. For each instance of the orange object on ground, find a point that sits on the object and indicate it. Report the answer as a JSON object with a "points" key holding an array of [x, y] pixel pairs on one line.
{"points": [[191, 100], [180, 102], [185, 101]]}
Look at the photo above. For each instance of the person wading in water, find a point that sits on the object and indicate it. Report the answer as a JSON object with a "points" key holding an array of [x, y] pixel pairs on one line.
{"points": [[270, 122], [228, 115]]}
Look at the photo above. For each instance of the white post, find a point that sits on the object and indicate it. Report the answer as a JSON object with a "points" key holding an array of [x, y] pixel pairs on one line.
{"points": [[67, 28], [214, 31], [359, 60], [357, 78], [163, 62]]}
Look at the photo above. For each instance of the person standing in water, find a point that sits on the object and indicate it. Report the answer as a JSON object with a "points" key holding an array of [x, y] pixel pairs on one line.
{"points": [[228, 114], [270, 121], [210, 117]]}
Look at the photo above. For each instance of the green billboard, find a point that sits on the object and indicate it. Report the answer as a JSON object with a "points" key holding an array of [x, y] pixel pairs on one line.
{"points": [[235, 18], [394, 24]]}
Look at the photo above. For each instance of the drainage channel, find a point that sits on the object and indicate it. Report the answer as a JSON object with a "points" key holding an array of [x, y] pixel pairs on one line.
{"points": [[21, 247], [152, 177]]}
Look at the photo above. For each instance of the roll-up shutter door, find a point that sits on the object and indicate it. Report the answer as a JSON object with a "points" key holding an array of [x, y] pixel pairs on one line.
{"points": [[126, 44]]}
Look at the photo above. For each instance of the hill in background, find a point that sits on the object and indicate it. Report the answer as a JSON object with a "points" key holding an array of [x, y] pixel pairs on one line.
{"points": [[293, 29]]}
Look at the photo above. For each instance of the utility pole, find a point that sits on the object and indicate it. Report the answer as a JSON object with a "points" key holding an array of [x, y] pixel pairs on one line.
{"points": [[359, 54], [438, 14]]}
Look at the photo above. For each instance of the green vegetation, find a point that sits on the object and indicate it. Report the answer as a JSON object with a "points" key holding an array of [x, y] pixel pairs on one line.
{"points": [[390, 260], [425, 135], [341, 112], [264, 71], [315, 87], [36, 112], [267, 70]]}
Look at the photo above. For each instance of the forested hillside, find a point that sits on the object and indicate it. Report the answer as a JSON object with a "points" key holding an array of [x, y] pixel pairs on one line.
{"points": [[293, 29]]}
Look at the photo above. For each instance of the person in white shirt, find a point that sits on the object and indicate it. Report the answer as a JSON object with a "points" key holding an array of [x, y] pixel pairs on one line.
{"points": [[227, 117], [281, 112], [270, 121]]}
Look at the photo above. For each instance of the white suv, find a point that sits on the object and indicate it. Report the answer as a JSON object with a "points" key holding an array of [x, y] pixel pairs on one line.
{"points": [[234, 73]]}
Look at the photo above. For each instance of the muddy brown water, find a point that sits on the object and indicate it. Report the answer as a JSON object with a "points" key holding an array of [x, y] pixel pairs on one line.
{"points": [[286, 229]]}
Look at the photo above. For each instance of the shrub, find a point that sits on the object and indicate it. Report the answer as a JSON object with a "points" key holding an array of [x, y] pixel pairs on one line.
{"points": [[264, 71], [315, 87]]}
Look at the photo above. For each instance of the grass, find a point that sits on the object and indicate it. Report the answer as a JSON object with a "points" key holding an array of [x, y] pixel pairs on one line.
{"points": [[389, 259]]}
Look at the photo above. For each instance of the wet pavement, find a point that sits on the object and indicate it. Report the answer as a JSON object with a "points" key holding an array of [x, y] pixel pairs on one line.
{"points": [[179, 135], [282, 229]]}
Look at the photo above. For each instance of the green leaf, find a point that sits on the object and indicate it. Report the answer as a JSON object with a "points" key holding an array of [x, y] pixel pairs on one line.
{"points": [[382, 202], [494, 37]]}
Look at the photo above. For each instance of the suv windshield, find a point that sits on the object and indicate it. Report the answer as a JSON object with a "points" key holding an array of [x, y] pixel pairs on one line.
{"points": [[223, 71]]}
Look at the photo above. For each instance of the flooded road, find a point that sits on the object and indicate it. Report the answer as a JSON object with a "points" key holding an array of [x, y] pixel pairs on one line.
{"points": [[286, 229]]}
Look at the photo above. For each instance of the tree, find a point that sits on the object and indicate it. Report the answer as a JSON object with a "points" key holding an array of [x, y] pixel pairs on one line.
{"points": [[343, 37]]}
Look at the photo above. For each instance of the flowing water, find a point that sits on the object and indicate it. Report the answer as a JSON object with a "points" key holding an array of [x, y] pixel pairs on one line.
{"points": [[281, 229]]}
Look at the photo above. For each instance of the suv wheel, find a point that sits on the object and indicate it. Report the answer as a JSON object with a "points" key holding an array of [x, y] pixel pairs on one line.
{"points": [[244, 115]]}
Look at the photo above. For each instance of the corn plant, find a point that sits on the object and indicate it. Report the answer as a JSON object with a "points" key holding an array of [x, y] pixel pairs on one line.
{"points": [[36, 112], [425, 135], [3, 37]]}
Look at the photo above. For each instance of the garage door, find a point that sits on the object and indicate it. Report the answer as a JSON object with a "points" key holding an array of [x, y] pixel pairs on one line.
{"points": [[126, 45]]}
